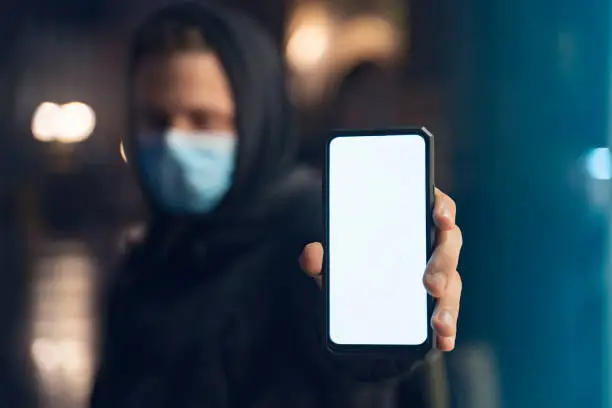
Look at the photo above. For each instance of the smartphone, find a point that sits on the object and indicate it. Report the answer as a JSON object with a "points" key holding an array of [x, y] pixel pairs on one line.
{"points": [[379, 201]]}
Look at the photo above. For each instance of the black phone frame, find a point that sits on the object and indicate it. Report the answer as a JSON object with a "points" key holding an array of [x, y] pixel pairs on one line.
{"points": [[404, 351]]}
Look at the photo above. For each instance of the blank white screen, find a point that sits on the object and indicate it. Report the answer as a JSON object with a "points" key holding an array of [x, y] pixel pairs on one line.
{"points": [[377, 240]]}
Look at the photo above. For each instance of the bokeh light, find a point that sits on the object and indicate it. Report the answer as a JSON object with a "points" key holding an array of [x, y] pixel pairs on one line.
{"points": [[598, 164], [73, 122], [78, 122], [308, 45], [45, 121]]}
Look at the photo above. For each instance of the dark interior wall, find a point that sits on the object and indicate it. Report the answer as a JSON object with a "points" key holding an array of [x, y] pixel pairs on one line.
{"points": [[17, 380]]}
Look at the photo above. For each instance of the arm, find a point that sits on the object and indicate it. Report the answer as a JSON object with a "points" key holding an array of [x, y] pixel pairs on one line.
{"points": [[114, 385]]}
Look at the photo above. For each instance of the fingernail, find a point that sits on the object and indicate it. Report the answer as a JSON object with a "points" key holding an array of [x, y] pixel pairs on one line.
{"points": [[437, 280], [446, 318], [451, 340]]}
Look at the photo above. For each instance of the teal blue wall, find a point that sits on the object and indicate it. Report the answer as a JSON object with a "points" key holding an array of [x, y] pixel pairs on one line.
{"points": [[531, 85]]}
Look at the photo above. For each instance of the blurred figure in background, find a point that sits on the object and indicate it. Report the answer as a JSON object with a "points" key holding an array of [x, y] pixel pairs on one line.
{"points": [[210, 308], [365, 99]]}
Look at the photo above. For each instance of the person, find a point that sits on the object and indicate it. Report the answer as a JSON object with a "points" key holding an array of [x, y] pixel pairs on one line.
{"points": [[210, 307], [365, 99]]}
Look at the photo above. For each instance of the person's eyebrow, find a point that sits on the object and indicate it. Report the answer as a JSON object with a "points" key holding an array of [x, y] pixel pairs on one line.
{"points": [[207, 108], [215, 109]]}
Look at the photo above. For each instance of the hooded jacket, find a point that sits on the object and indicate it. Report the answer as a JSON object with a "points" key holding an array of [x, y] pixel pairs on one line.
{"points": [[213, 311]]}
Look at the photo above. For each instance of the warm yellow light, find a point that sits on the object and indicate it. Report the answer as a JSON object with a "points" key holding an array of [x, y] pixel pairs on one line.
{"points": [[308, 45], [45, 121], [310, 34], [77, 124], [73, 122]]}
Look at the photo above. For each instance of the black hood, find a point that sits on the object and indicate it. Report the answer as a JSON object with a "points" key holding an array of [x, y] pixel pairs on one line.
{"points": [[264, 116], [266, 175]]}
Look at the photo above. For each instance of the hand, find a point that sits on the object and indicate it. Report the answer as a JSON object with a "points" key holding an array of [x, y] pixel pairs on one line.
{"points": [[441, 278]]}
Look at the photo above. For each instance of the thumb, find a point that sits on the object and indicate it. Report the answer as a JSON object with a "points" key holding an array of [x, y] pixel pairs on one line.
{"points": [[311, 260]]}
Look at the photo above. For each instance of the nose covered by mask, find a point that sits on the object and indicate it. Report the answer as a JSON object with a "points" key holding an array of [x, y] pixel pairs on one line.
{"points": [[188, 172]]}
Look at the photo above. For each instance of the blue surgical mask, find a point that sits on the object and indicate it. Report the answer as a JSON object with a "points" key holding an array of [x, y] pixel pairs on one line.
{"points": [[188, 172]]}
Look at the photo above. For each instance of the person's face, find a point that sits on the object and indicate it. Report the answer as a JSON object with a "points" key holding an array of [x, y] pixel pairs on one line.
{"points": [[188, 91]]}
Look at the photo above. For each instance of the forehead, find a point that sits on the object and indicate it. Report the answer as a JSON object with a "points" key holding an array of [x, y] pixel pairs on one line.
{"points": [[185, 80]]}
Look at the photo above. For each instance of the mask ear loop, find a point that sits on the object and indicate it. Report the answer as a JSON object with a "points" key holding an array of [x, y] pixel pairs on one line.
{"points": [[125, 151]]}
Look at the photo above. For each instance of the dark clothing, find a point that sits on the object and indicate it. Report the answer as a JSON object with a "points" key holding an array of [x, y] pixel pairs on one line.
{"points": [[213, 311], [228, 321]]}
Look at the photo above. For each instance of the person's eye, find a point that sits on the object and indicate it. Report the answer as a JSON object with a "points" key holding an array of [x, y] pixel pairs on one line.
{"points": [[200, 120], [220, 121], [155, 120]]}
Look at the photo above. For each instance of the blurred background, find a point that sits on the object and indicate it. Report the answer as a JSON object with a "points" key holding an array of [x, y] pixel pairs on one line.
{"points": [[517, 92]]}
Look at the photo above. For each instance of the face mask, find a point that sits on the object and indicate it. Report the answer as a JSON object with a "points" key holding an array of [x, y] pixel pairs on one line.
{"points": [[188, 172]]}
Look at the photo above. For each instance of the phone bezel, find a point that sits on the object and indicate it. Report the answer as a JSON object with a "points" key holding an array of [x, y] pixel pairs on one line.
{"points": [[416, 351]]}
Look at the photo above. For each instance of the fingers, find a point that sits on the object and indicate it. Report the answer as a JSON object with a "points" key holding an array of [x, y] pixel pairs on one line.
{"points": [[445, 343], [444, 283], [443, 262], [444, 319], [441, 278], [311, 261], [444, 212]]}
